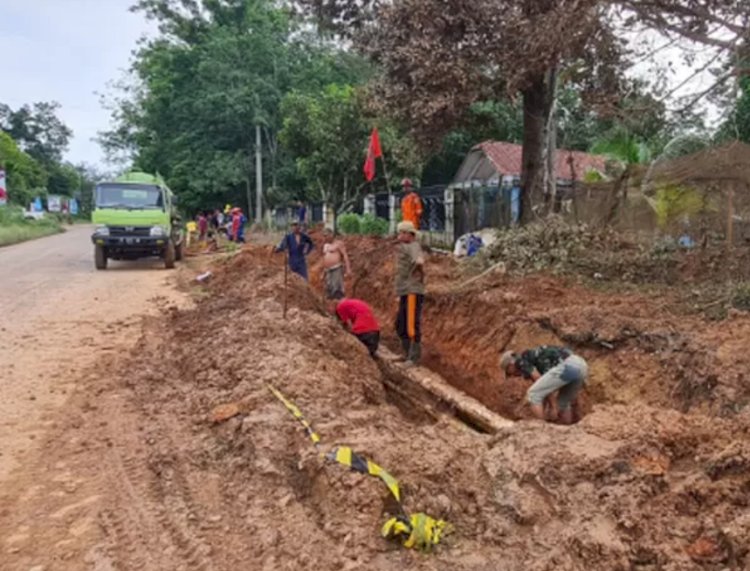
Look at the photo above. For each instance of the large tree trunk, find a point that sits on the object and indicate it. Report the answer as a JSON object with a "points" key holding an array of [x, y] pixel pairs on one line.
{"points": [[550, 172], [538, 99]]}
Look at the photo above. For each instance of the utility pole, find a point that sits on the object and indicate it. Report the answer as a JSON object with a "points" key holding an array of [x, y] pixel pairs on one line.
{"points": [[258, 177]]}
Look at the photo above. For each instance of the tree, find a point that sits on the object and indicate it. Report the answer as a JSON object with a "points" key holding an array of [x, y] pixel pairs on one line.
{"points": [[439, 57], [38, 130], [737, 125], [327, 136], [217, 70], [484, 120], [63, 179], [25, 176]]}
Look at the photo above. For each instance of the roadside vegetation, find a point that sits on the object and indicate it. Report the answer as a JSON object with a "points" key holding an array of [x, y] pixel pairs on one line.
{"points": [[15, 228]]}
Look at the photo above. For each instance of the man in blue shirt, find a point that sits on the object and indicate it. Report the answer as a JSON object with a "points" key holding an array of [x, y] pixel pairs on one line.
{"points": [[299, 245]]}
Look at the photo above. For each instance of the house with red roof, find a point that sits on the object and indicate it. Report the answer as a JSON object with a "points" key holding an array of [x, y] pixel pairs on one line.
{"points": [[493, 163]]}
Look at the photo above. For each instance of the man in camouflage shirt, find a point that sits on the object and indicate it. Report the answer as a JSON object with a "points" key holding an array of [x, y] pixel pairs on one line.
{"points": [[553, 369]]}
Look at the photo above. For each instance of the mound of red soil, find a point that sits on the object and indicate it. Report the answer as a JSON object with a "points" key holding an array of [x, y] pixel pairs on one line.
{"points": [[630, 487]]}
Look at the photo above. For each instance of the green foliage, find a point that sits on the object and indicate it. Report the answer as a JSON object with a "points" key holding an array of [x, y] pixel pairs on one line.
{"points": [[370, 225], [348, 223], [63, 179], [366, 225], [25, 176], [14, 228], [673, 203], [38, 130], [198, 90], [326, 134], [484, 120], [622, 146], [737, 125], [742, 114], [593, 176]]}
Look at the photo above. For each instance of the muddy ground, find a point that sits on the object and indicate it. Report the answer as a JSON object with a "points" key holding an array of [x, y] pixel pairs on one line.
{"points": [[655, 477]]}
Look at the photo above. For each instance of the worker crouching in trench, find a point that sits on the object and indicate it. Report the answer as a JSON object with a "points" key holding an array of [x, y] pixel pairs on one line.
{"points": [[555, 371]]}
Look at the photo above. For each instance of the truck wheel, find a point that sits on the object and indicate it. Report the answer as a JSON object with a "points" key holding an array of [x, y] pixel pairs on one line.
{"points": [[178, 252], [169, 255], [100, 258]]}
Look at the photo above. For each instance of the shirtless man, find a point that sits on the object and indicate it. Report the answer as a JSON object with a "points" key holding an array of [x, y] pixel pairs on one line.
{"points": [[335, 261]]}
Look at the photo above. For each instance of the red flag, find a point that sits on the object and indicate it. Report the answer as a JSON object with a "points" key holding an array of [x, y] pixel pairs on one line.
{"points": [[374, 151]]}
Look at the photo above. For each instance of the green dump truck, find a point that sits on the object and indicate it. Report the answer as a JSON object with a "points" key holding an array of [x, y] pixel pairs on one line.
{"points": [[136, 218]]}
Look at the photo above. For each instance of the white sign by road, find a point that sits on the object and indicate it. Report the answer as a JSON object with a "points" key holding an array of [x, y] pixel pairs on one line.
{"points": [[54, 204]]}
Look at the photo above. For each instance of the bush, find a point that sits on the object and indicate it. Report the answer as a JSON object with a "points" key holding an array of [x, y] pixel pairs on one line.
{"points": [[348, 224], [14, 228], [373, 226], [367, 225]]}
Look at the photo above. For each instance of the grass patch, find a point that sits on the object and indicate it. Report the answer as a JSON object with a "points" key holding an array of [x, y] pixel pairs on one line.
{"points": [[14, 228]]}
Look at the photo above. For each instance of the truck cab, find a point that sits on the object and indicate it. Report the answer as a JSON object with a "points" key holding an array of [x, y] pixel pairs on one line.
{"points": [[135, 217]]}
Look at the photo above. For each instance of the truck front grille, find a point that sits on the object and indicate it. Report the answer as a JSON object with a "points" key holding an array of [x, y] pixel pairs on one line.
{"points": [[129, 230]]}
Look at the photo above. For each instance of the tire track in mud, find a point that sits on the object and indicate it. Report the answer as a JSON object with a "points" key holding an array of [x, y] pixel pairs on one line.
{"points": [[147, 520]]}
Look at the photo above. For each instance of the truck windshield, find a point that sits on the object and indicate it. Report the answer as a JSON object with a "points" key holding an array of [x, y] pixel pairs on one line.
{"points": [[129, 196]]}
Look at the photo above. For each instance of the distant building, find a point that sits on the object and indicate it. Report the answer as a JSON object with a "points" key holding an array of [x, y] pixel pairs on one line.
{"points": [[494, 163], [487, 185]]}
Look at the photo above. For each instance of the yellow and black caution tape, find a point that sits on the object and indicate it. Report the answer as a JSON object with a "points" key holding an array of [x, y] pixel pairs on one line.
{"points": [[296, 413], [345, 456], [419, 530]]}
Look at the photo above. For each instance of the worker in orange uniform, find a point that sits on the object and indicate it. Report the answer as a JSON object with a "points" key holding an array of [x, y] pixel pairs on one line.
{"points": [[411, 204]]}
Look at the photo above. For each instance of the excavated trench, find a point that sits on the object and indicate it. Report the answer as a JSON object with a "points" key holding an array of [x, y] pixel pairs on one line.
{"points": [[637, 351], [631, 486]]}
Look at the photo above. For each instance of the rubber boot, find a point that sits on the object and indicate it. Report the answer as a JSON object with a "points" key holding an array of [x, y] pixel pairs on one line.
{"points": [[415, 354], [405, 346]]}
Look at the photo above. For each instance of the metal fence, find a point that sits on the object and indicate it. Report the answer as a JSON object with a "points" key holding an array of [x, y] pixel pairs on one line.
{"points": [[433, 200], [483, 207], [281, 216], [696, 199], [316, 213], [382, 207]]}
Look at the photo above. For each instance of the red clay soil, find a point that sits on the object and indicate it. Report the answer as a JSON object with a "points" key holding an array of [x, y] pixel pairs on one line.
{"points": [[631, 487], [637, 350]]}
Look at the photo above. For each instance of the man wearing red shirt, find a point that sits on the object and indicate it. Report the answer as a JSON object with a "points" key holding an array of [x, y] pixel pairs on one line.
{"points": [[358, 318]]}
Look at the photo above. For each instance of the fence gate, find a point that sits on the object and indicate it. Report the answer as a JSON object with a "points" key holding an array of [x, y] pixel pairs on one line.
{"points": [[484, 207], [433, 201], [382, 207]]}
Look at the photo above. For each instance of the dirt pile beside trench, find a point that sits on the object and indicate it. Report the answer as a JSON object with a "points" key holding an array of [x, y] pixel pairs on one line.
{"points": [[630, 487], [638, 350]]}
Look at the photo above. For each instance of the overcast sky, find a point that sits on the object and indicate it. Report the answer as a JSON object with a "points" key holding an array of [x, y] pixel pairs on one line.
{"points": [[67, 50]]}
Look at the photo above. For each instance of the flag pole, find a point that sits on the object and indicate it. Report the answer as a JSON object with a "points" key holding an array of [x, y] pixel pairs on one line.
{"points": [[385, 174]]}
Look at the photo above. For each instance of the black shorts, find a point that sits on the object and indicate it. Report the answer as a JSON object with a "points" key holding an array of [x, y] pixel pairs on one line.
{"points": [[371, 341]]}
